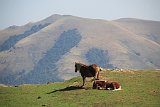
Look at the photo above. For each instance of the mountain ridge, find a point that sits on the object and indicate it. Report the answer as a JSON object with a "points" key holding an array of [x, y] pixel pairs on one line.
{"points": [[124, 43]]}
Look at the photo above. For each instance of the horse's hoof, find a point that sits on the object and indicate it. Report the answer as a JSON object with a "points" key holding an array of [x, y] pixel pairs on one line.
{"points": [[82, 86]]}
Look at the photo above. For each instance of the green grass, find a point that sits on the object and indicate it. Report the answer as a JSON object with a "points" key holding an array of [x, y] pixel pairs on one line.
{"points": [[140, 88]]}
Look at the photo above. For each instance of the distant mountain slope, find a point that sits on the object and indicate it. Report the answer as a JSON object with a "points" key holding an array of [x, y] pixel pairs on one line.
{"points": [[46, 50], [11, 41]]}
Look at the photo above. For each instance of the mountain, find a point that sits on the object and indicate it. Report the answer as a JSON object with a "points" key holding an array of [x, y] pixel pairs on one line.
{"points": [[47, 50]]}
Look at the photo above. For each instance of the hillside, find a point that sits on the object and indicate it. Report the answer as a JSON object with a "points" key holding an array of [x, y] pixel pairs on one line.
{"points": [[46, 50], [139, 88]]}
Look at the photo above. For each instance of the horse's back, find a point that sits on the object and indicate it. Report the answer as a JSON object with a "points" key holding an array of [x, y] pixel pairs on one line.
{"points": [[116, 85], [113, 85], [87, 71], [94, 66]]}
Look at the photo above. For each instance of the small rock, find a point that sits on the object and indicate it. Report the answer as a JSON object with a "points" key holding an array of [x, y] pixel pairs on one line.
{"points": [[44, 104], [50, 82], [38, 97]]}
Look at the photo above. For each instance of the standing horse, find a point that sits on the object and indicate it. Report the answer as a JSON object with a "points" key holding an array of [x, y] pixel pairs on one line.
{"points": [[87, 71]]}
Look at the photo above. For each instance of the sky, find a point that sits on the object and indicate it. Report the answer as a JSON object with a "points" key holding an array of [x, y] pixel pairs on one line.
{"points": [[20, 12]]}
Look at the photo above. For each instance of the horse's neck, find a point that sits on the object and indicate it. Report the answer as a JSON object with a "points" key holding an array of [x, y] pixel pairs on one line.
{"points": [[83, 65], [80, 65]]}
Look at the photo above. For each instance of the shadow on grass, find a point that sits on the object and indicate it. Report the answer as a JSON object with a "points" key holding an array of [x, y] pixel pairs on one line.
{"points": [[67, 89]]}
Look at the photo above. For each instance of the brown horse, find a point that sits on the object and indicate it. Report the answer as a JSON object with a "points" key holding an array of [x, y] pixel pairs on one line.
{"points": [[108, 85], [87, 71]]}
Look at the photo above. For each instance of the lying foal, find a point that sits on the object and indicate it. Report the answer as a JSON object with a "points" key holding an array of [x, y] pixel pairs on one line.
{"points": [[108, 85]]}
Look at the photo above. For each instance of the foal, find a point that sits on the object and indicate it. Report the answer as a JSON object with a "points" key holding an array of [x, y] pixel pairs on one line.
{"points": [[108, 85]]}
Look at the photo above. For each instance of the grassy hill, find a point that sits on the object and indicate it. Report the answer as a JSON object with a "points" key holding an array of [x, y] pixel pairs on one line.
{"points": [[140, 88]]}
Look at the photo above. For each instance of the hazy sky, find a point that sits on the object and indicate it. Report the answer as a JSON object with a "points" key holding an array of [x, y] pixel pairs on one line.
{"points": [[20, 12]]}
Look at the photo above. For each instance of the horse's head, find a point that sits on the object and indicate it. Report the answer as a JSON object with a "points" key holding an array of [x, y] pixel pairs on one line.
{"points": [[77, 66]]}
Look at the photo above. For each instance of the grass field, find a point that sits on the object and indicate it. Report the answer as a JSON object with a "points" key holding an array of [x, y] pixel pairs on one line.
{"points": [[139, 88]]}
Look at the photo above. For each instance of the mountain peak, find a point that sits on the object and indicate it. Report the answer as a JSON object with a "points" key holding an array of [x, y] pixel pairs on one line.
{"points": [[51, 19]]}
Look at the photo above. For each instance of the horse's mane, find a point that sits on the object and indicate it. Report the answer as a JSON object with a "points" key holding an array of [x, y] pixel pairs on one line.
{"points": [[82, 64]]}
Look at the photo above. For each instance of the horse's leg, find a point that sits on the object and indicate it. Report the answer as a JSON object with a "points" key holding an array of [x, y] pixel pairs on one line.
{"points": [[97, 76], [83, 80], [94, 85], [97, 72]]}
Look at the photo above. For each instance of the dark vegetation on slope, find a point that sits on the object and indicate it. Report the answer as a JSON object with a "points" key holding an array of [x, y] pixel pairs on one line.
{"points": [[154, 37], [44, 71], [11, 41], [100, 57]]}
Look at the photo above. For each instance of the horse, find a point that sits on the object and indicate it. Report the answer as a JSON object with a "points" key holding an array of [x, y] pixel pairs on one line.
{"points": [[87, 71], [108, 85]]}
